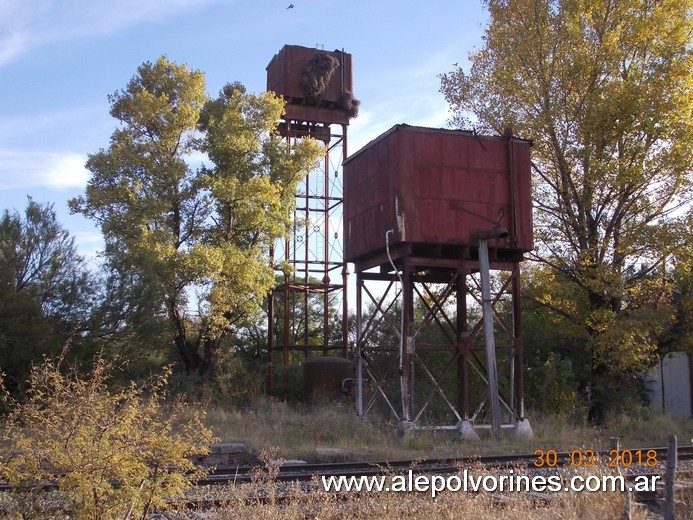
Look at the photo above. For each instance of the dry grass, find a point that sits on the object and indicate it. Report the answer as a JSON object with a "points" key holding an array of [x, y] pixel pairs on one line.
{"points": [[482, 506], [276, 430], [332, 431]]}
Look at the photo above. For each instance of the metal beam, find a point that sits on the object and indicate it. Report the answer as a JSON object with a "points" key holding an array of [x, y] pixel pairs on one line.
{"points": [[489, 340]]}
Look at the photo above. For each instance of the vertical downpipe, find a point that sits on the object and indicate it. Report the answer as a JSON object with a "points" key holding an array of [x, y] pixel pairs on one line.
{"points": [[345, 270], [359, 360], [489, 340]]}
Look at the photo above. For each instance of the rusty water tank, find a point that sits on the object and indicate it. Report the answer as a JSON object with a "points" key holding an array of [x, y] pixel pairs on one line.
{"points": [[316, 84], [434, 188], [324, 377]]}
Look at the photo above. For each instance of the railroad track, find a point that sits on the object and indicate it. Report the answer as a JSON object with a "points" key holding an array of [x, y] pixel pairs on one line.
{"points": [[307, 472], [277, 474], [294, 483]]}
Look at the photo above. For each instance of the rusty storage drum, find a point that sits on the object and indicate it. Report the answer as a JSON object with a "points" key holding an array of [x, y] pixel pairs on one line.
{"points": [[323, 377]]}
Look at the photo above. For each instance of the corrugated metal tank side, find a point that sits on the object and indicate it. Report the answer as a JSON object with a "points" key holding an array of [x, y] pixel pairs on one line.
{"points": [[436, 187], [372, 182]]}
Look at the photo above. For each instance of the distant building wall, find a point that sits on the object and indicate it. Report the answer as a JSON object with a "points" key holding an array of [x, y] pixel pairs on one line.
{"points": [[669, 385]]}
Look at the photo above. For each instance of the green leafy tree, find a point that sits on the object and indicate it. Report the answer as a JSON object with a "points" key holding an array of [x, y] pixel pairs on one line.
{"points": [[201, 236], [127, 319], [605, 90], [45, 289]]}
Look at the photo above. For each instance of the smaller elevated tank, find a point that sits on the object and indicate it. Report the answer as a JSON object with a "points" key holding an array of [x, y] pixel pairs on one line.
{"points": [[316, 84]]}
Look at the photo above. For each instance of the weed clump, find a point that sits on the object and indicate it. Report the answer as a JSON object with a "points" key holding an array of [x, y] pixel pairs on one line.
{"points": [[90, 451]]}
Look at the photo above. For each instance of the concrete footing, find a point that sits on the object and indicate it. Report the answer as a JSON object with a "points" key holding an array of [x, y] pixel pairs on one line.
{"points": [[523, 430], [467, 430], [405, 428]]}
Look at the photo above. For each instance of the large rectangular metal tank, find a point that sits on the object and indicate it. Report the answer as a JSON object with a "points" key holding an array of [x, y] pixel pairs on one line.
{"points": [[437, 187], [293, 65]]}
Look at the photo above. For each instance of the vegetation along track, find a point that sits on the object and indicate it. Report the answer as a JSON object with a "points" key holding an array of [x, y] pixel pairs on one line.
{"points": [[538, 461], [533, 461]]}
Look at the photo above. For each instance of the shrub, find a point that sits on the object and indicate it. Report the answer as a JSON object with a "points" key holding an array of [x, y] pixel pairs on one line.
{"points": [[552, 387], [111, 453]]}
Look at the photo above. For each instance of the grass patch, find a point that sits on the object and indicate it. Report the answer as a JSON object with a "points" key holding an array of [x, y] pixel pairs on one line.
{"points": [[481, 506], [332, 431]]}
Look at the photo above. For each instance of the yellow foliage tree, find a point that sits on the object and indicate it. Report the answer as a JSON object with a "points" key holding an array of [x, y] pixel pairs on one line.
{"points": [[110, 453], [605, 90], [199, 235]]}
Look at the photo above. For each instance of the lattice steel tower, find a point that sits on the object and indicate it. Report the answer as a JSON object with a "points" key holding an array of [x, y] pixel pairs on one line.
{"points": [[308, 307]]}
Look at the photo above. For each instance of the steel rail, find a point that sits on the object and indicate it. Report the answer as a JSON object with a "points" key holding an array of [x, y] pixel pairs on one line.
{"points": [[306, 472], [310, 472]]}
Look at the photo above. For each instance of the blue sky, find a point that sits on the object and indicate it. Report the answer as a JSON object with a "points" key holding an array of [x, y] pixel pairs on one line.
{"points": [[59, 59]]}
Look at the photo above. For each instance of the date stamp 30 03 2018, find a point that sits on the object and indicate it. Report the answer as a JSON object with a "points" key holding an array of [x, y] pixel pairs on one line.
{"points": [[587, 458]]}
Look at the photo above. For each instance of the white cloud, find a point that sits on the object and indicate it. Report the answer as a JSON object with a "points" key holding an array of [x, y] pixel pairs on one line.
{"points": [[89, 125], [62, 170], [66, 170], [197, 159], [412, 109], [11, 46], [412, 98], [32, 24]]}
